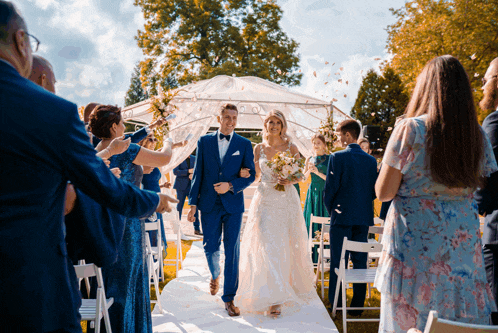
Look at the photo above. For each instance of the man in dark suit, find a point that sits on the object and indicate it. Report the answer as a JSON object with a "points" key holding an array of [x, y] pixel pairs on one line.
{"points": [[217, 192], [184, 173], [348, 194], [43, 144], [487, 197]]}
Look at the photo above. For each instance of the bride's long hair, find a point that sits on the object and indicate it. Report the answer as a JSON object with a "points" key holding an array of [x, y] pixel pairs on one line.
{"points": [[277, 114]]}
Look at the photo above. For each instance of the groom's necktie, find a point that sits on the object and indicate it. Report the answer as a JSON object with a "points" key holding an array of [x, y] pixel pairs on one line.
{"points": [[226, 137]]}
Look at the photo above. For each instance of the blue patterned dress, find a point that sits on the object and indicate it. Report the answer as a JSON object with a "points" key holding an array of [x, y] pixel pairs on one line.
{"points": [[127, 279], [432, 252]]}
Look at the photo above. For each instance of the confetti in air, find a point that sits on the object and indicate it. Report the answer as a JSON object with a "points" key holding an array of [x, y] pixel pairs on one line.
{"points": [[338, 211], [345, 95], [389, 128], [476, 74], [373, 114], [242, 88], [326, 62], [216, 59], [331, 173], [325, 83], [279, 72], [334, 100], [341, 68], [314, 73], [473, 57], [347, 82], [340, 80]]}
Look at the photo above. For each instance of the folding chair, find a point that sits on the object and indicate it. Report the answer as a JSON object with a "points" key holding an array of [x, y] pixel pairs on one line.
{"points": [[323, 253], [154, 264], [175, 223], [157, 251], [373, 257], [436, 325], [94, 310], [346, 276]]}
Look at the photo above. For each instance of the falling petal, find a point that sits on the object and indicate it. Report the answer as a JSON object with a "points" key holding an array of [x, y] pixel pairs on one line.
{"points": [[338, 211], [361, 71], [341, 68], [242, 87], [334, 99], [326, 62], [338, 205], [278, 56], [373, 114], [216, 59], [476, 74], [279, 71], [347, 82], [314, 73], [389, 128], [328, 75], [331, 173], [345, 95], [299, 71], [473, 57], [337, 73], [377, 59], [380, 149], [340, 80], [325, 83]]}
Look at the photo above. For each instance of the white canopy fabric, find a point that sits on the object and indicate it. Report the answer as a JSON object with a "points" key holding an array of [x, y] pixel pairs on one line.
{"points": [[198, 104]]}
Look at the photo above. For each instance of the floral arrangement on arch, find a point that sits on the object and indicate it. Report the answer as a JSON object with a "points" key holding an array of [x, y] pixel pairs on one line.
{"points": [[285, 165], [160, 107], [327, 130]]}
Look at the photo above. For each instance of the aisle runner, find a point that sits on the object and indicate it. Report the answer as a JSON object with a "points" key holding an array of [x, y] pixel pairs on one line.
{"points": [[189, 307]]}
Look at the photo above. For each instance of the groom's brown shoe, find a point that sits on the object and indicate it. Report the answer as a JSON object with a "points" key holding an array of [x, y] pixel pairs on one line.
{"points": [[232, 310], [214, 285]]}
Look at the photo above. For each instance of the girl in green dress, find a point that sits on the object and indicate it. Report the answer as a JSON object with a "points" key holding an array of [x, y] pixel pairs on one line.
{"points": [[316, 166]]}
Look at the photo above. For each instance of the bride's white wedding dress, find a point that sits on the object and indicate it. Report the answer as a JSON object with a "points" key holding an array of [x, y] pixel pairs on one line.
{"points": [[275, 263]]}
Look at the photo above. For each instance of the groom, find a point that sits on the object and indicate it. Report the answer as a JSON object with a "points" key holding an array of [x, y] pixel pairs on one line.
{"points": [[217, 192]]}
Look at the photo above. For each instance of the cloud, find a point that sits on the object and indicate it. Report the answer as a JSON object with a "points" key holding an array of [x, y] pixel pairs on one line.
{"points": [[91, 45]]}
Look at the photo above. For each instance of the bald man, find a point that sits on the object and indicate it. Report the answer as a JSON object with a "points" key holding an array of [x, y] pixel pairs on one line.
{"points": [[42, 73], [487, 197]]}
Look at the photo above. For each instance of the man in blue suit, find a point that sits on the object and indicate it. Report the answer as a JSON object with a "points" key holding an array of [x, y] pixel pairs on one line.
{"points": [[217, 192], [43, 144], [487, 197], [348, 194], [184, 173]]}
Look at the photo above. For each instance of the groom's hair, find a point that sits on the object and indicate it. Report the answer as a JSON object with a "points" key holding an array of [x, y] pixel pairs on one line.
{"points": [[350, 126], [228, 106]]}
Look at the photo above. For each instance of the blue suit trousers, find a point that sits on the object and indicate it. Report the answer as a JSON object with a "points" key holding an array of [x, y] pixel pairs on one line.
{"points": [[215, 222], [357, 233]]}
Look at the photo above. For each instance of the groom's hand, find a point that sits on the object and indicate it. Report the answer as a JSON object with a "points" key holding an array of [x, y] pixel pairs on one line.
{"points": [[191, 214], [221, 188]]}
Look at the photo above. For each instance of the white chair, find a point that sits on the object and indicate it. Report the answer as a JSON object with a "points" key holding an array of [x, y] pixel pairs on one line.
{"points": [[176, 237], [94, 310], [157, 251], [436, 325], [346, 276], [373, 257], [323, 253], [154, 265]]}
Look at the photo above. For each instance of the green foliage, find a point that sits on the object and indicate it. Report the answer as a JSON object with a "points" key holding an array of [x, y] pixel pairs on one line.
{"points": [[380, 100], [426, 29], [191, 40], [135, 93]]}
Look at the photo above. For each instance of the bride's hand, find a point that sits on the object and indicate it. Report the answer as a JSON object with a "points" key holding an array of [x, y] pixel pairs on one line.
{"points": [[284, 181], [244, 173]]}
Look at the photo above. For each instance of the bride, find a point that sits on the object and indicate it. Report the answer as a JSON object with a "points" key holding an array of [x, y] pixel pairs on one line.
{"points": [[276, 271]]}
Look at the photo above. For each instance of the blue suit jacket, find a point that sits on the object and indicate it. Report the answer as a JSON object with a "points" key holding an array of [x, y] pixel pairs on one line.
{"points": [[182, 181], [209, 170], [43, 144], [487, 197], [350, 187], [136, 137]]}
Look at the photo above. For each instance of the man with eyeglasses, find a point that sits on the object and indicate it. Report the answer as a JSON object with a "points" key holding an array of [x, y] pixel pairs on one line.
{"points": [[487, 197], [38, 292]]}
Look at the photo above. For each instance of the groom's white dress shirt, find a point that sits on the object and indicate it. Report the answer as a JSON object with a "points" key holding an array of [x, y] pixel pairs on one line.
{"points": [[223, 145]]}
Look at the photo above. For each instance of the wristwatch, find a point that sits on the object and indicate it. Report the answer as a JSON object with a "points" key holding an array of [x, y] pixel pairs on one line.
{"points": [[231, 187]]}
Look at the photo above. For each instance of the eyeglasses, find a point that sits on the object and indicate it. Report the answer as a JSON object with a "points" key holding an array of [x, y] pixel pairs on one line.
{"points": [[34, 42], [484, 80]]}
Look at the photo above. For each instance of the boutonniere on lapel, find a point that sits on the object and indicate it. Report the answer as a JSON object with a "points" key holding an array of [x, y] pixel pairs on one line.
{"points": [[236, 153]]}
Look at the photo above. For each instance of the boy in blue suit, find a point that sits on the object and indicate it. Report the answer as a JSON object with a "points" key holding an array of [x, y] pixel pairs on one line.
{"points": [[348, 194], [184, 173], [217, 192]]}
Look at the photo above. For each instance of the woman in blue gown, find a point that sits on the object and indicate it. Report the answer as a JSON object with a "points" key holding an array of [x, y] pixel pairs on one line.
{"points": [[127, 279]]}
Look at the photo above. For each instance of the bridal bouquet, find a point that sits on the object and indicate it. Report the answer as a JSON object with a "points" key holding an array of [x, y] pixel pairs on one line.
{"points": [[286, 166]]}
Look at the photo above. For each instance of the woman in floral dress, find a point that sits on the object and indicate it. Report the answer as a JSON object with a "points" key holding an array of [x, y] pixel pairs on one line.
{"points": [[432, 255]]}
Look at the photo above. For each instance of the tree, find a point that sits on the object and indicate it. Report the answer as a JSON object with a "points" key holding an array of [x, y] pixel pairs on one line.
{"points": [[429, 28], [191, 40], [380, 100], [135, 93]]}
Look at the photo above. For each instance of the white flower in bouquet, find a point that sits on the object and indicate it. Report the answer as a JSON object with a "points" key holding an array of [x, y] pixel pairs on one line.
{"points": [[287, 170]]}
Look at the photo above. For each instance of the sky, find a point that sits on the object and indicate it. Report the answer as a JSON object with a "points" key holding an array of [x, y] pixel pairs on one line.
{"points": [[92, 48]]}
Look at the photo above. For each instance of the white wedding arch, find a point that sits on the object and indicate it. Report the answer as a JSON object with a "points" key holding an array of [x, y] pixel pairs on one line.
{"points": [[197, 106]]}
